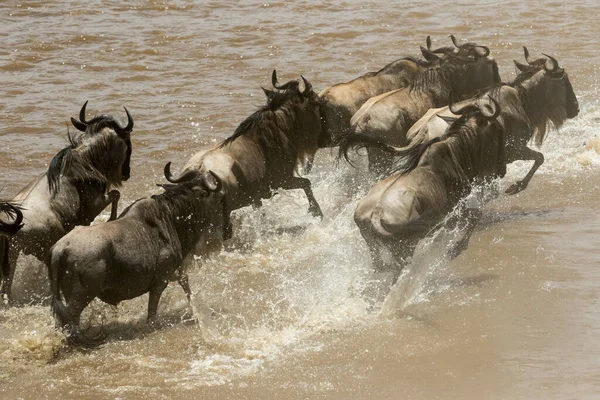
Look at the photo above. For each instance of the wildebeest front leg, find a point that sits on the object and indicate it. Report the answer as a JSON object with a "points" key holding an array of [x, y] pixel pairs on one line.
{"points": [[303, 183], [526, 154], [113, 198]]}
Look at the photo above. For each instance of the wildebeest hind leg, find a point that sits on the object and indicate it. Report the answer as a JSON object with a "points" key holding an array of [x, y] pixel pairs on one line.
{"points": [[153, 299], [80, 297], [303, 183]]}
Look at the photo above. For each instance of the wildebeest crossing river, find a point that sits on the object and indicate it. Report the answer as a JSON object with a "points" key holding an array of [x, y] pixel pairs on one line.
{"points": [[291, 307]]}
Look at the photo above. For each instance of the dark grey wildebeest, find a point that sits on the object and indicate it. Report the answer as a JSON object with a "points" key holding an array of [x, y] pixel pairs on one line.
{"points": [[140, 252], [74, 190], [400, 210], [265, 149], [389, 116], [539, 97]]}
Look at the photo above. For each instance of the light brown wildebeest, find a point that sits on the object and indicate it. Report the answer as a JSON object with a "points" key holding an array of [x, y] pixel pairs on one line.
{"points": [[342, 100], [540, 96], [74, 190], [389, 116], [147, 246], [265, 149], [400, 210]]}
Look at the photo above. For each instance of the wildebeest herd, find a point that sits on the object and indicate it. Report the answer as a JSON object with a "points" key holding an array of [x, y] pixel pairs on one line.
{"points": [[434, 128]]}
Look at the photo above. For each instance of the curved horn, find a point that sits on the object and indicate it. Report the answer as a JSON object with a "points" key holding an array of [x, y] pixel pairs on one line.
{"points": [[80, 126], [183, 178], [491, 111], [307, 85], [214, 184], [285, 86], [482, 51], [526, 52], [454, 41], [555, 67], [82, 113], [428, 42], [129, 126]]}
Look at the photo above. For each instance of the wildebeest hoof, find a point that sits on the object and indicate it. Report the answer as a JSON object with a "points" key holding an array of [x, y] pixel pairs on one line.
{"points": [[316, 212], [228, 232], [515, 188]]}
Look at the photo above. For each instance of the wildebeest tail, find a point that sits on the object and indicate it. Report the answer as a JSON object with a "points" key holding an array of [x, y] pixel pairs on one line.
{"points": [[358, 141]]}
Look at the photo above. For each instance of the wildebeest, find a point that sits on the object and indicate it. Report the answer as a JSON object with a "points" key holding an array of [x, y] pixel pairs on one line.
{"points": [[388, 117], [74, 190], [342, 100], [400, 210], [541, 95], [137, 253], [265, 149]]}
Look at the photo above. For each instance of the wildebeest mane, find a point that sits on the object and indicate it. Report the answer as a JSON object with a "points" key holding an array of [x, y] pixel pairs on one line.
{"points": [[441, 75], [274, 126]]}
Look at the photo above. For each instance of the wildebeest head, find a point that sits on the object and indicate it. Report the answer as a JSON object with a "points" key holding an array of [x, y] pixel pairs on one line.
{"points": [[13, 213], [197, 195], [202, 184], [98, 124], [478, 68], [550, 95]]}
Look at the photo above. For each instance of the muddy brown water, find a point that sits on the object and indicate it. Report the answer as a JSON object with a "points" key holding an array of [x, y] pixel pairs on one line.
{"points": [[290, 309]]}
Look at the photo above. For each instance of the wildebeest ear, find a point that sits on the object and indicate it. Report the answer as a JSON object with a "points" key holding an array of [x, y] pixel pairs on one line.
{"points": [[429, 55], [522, 67], [448, 120], [269, 93]]}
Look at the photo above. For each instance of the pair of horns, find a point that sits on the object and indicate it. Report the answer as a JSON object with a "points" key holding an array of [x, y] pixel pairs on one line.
{"points": [[210, 179], [490, 110], [482, 51], [290, 84], [536, 64], [82, 124]]}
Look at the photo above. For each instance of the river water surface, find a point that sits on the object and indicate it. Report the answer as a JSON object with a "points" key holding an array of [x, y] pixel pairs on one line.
{"points": [[291, 308]]}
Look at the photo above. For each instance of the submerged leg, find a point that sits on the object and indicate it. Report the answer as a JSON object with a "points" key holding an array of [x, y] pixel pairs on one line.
{"points": [[526, 154], [472, 217], [303, 183], [153, 299]]}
